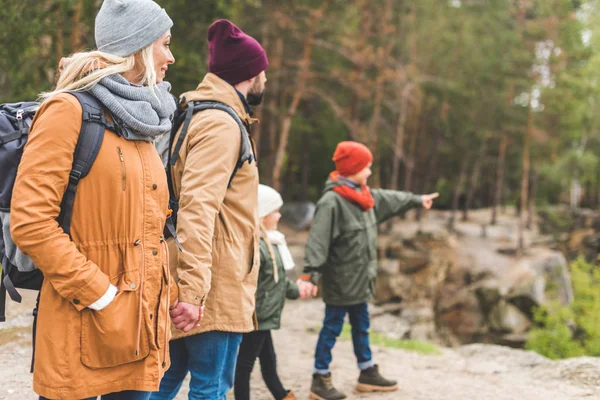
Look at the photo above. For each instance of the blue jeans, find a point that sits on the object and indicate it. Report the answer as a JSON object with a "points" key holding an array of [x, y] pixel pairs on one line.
{"points": [[332, 327], [210, 357], [126, 395]]}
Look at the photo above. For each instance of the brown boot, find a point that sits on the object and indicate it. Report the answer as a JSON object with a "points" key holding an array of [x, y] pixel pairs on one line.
{"points": [[290, 396], [322, 389], [371, 381]]}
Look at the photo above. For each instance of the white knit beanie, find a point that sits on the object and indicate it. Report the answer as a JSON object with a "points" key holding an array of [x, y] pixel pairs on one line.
{"points": [[124, 27], [269, 200]]}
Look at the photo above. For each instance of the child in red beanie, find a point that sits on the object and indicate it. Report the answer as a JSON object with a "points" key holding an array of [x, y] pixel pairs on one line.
{"points": [[342, 252]]}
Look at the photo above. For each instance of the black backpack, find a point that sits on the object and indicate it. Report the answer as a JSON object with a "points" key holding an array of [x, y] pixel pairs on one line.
{"points": [[183, 117], [18, 271]]}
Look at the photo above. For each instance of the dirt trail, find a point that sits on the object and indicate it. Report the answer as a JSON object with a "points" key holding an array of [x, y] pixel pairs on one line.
{"points": [[471, 372]]}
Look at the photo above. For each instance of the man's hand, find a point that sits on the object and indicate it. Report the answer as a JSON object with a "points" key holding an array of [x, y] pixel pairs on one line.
{"points": [[306, 289], [428, 200], [186, 316]]}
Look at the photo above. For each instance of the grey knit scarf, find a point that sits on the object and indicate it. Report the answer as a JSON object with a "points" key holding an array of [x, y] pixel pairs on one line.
{"points": [[140, 113]]}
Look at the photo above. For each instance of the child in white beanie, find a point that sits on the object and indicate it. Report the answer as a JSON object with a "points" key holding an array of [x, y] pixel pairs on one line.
{"points": [[273, 289]]}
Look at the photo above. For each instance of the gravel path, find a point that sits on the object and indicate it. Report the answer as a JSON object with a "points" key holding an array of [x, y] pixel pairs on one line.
{"points": [[471, 372]]}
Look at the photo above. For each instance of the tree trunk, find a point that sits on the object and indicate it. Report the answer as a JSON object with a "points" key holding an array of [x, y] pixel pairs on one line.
{"points": [[301, 83], [457, 192], [76, 35], [499, 177], [410, 161], [275, 67], [474, 181], [305, 167], [373, 135], [532, 209], [525, 181], [400, 131], [60, 41], [259, 111]]}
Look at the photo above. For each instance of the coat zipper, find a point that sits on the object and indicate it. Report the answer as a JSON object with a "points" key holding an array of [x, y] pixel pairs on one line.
{"points": [[167, 319], [123, 171]]}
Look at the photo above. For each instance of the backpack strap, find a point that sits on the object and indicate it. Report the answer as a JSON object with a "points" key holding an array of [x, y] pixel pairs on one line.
{"points": [[184, 120], [2, 298], [88, 145], [246, 153]]}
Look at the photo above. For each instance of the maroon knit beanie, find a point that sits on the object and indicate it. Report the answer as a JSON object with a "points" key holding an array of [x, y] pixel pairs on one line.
{"points": [[234, 56], [351, 157]]}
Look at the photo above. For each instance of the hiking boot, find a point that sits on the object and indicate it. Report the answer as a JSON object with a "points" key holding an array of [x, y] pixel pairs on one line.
{"points": [[371, 381], [290, 396], [322, 389]]}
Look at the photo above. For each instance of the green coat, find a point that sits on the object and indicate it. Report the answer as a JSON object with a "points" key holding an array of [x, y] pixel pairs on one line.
{"points": [[342, 245], [271, 295]]}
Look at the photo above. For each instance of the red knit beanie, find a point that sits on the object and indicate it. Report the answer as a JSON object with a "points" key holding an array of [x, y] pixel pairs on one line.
{"points": [[351, 157], [234, 56]]}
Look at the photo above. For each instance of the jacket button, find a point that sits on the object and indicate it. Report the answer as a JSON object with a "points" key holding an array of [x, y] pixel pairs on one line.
{"points": [[76, 301], [154, 251], [132, 285], [154, 186]]}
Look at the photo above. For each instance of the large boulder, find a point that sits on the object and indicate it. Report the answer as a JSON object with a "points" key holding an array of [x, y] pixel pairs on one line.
{"points": [[541, 278], [507, 318]]}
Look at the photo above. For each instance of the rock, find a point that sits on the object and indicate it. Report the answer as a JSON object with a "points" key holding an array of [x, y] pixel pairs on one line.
{"points": [[508, 251], [393, 249], [507, 318], [412, 261], [528, 294], [489, 293], [423, 331], [460, 313], [391, 288], [514, 340], [388, 266], [391, 326], [538, 279], [415, 315], [596, 223], [555, 268], [299, 215]]}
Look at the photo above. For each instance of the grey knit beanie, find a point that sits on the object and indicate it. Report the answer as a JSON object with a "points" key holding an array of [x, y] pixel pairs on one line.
{"points": [[124, 27]]}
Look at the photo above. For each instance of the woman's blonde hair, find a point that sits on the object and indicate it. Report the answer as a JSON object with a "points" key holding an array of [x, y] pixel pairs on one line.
{"points": [[81, 71]]}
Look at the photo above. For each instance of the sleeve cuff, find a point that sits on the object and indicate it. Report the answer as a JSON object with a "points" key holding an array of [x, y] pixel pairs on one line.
{"points": [[418, 200], [105, 300], [88, 294], [191, 298]]}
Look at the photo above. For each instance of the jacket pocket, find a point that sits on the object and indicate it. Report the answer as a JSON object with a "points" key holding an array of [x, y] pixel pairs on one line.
{"points": [[117, 334], [252, 259], [109, 336]]}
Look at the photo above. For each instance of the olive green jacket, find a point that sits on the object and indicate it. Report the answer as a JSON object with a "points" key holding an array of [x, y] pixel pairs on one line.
{"points": [[271, 295], [341, 251]]}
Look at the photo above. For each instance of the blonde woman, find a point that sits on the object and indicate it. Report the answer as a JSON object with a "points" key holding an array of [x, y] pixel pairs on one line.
{"points": [[103, 323]]}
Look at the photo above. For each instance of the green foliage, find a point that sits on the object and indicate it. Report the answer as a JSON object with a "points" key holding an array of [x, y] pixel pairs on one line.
{"points": [[573, 331], [473, 64]]}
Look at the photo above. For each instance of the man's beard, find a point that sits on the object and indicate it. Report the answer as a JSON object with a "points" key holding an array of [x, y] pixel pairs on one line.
{"points": [[254, 99], [256, 93]]}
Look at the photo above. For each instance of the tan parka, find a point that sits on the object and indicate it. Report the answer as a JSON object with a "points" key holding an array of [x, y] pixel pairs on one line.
{"points": [[116, 236], [217, 226]]}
